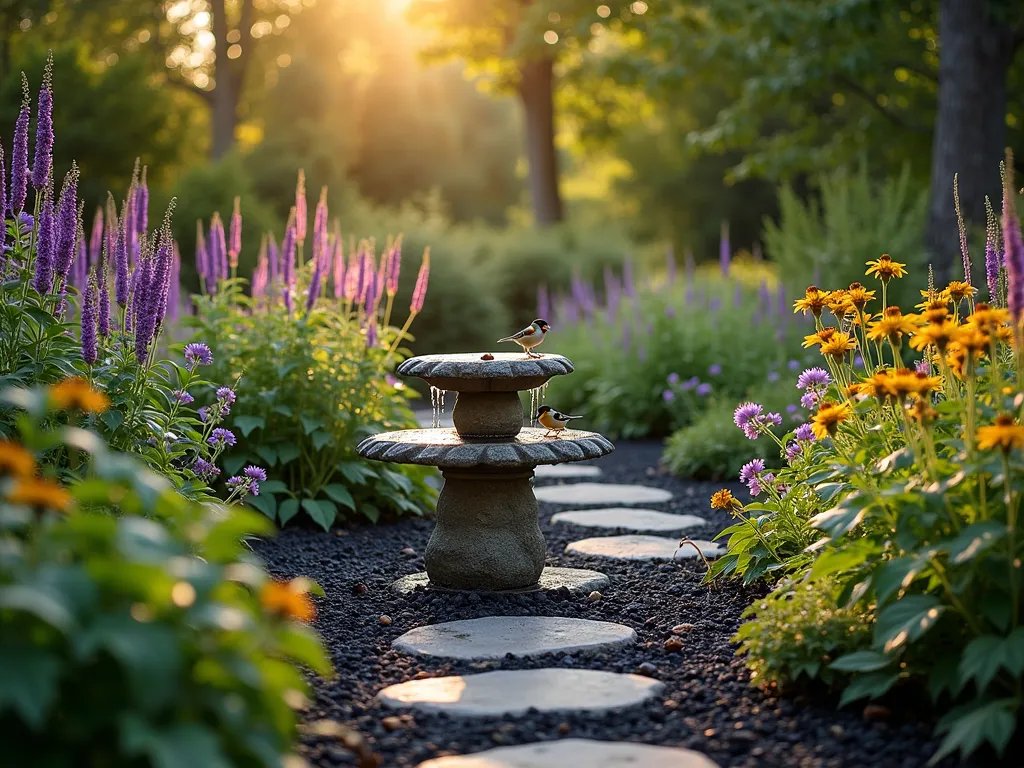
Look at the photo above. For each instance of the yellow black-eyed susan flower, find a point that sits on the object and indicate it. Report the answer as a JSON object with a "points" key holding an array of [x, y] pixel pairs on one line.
{"points": [[892, 325], [885, 268], [858, 295], [1004, 434], [814, 301], [39, 494], [940, 335], [724, 499], [15, 460], [959, 290], [75, 392], [830, 415], [837, 345]]}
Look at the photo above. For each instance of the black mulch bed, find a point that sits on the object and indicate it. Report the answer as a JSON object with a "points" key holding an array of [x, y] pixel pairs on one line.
{"points": [[708, 704]]}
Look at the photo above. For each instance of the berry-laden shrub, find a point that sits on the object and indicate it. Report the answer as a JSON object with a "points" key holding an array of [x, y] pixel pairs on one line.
{"points": [[135, 626], [315, 363]]}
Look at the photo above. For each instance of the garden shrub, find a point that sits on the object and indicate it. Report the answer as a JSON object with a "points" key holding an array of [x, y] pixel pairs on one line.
{"points": [[636, 348], [316, 381], [136, 628], [905, 494]]}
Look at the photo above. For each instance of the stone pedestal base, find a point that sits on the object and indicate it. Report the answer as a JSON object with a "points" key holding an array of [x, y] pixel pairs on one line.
{"points": [[488, 414], [487, 534]]}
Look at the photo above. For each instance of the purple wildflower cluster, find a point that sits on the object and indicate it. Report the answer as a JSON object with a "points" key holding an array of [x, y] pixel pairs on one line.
{"points": [[751, 418], [814, 382], [756, 479], [248, 482], [693, 384]]}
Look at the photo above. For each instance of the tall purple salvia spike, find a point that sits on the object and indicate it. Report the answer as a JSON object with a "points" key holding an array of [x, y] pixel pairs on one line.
{"points": [[235, 240], [315, 283], [19, 152], [80, 267], [96, 237], [1013, 243], [202, 260], [338, 258], [419, 293], [395, 267], [103, 294], [320, 224], [369, 268], [218, 248], [352, 274], [89, 325], [274, 259], [44, 128], [724, 249], [371, 333], [300, 208], [121, 276], [142, 301], [962, 229], [46, 244], [628, 287], [372, 289], [670, 264], [173, 294], [360, 273], [67, 225], [288, 245], [3, 211], [142, 207], [162, 272], [133, 240], [992, 259]]}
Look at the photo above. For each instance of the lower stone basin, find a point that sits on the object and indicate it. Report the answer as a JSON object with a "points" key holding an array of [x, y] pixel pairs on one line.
{"points": [[444, 448]]}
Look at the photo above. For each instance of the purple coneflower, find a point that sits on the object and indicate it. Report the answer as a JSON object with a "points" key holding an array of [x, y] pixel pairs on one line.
{"points": [[221, 437], [182, 396], [235, 240], [814, 379], [19, 151], [204, 469], [46, 244], [89, 341], [197, 353], [44, 129], [419, 293], [804, 433]]}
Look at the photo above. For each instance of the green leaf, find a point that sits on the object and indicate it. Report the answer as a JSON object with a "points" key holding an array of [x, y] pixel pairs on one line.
{"points": [[842, 519], [370, 512], [287, 453], [181, 745], [310, 423], [28, 682], [341, 495], [268, 454], [321, 438], [871, 685], [273, 486], [321, 515], [828, 491], [233, 463], [356, 473], [984, 656], [973, 540], [894, 575], [247, 424], [287, 510], [843, 559], [906, 620], [970, 726], [39, 603], [861, 661], [303, 645], [265, 503]]}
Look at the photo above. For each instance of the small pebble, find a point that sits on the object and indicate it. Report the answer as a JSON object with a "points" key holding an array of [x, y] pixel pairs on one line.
{"points": [[671, 704], [409, 552], [385, 620], [563, 728], [836, 730], [876, 712], [391, 723], [358, 589], [679, 629], [487, 356], [673, 645], [647, 668], [594, 596]]}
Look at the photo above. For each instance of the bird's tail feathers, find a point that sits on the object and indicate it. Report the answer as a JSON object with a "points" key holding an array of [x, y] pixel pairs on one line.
{"points": [[507, 338]]}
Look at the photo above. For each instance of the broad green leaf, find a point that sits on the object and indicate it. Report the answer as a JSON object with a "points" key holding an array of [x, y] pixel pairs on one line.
{"points": [[970, 726], [906, 620], [370, 512], [973, 540], [356, 473], [113, 419], [265, 503], [246, 424], [310, 423], [895, 575], [38, 602], [181, 745], [984, 656], [861, 661], [268, 454], [287, 509], [28, 682], [321, 438], [273, 486], [287, 452], [871, 685], [303, 645], [341, 495], [233, 463], [838, 560], [847, 516], [321, 515]]}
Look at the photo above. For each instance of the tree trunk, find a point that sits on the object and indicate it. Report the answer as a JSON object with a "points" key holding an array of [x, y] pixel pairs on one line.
{"points": [[224, 96], [976, 51], [536, 89]]}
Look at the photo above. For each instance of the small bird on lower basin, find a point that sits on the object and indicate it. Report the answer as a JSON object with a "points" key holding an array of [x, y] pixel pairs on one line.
{"points": [[531, 336], [552, 420]]}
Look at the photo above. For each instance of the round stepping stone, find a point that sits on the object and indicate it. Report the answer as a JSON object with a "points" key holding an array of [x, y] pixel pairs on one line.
{"points": [[513, 692], [629, 518], [577, 752], [633, 547], [494, 636], [559, 471], [601, 493], [575, 579]]}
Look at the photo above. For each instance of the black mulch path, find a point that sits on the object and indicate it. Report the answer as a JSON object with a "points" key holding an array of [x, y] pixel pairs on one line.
{"points": [[708, 704]]}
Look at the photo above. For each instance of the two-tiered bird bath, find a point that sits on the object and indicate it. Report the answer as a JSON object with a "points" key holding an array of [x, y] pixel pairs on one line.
{"points": [[487, 534]]}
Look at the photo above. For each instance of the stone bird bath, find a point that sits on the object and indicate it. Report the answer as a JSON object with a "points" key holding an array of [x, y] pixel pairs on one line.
{"points": [[487, 534]]}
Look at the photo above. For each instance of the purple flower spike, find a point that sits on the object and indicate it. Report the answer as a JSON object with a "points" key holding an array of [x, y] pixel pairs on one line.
{"points": [[235, 240], [218, 256], [1013, 246], [19, 151], [46, 246], [815, 379], [338, 268], [121, 282], [3, 212], [315, 283], [44, 129], [724, 250], [301, 213], [371, 333], [96, 238], [89, 324], [395, 267], [804, 433], [197, 353], [221, 437], [182, 396], [419, 293], [202, 260], [288, 252], [103, 295], [67, 225], [141, 212]]}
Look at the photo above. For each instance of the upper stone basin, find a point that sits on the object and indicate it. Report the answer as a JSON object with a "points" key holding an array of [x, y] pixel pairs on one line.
{"points": [[444, 448], [507, 372]]}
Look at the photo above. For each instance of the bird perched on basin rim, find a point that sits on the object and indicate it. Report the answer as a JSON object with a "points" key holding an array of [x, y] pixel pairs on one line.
{"points": [[552, 420], [531, 336]]}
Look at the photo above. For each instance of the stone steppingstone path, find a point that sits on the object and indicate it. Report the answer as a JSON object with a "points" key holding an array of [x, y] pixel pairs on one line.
{"points": [[566, 471], [629, 518], [492, 637], [514, 692], [577, 753], [633, 547], [574, 579], [600, 493]]}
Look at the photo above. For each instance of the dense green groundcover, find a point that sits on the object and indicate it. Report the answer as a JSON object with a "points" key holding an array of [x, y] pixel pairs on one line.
{"points": [[892, 534]]}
